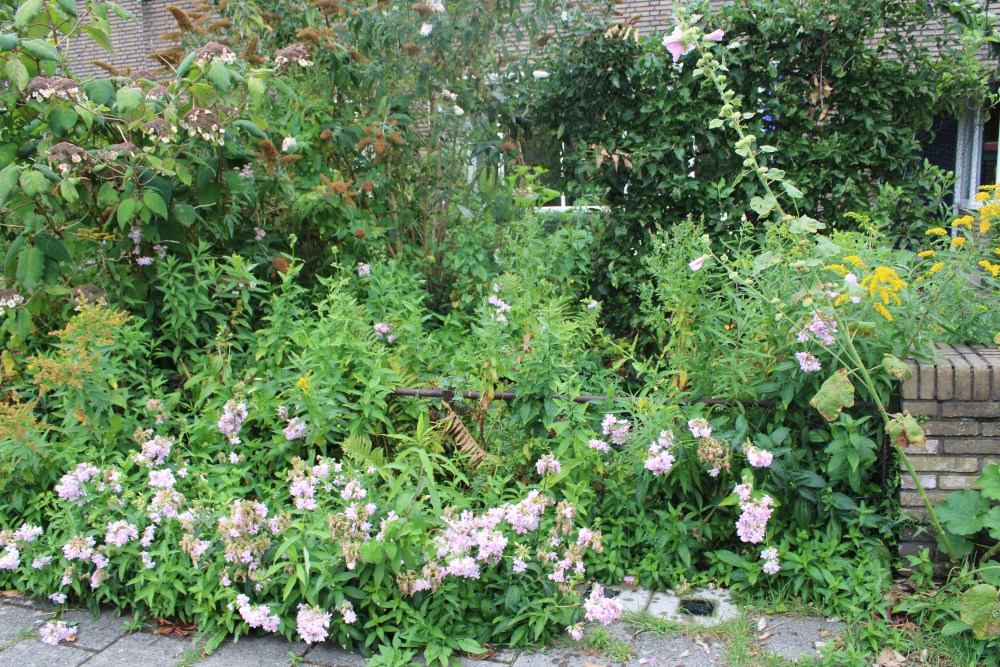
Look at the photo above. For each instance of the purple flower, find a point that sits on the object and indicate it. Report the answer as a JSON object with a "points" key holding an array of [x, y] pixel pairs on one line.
{"points": [[144, 261], [259, 234], [382, 328], [659, 457], [548, 465], [120, 533], [246, 173], [10, 559], [58, 598], [364, 269], [231, 421], [575, 631], [808, 362], [54, 632], [296, 429]]}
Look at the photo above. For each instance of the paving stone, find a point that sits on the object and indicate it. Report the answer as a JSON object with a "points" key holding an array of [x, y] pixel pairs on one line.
{"points": [[255, 652], [795, 638], [15, 619], [142, 649], [633, 599], [331, 655], [96, 634], [667, 606], [557, 656], [34, 653], [503, 656], [677, 651]]}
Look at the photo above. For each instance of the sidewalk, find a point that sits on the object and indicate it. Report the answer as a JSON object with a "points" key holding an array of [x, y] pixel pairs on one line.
{"points": [[110, 641]]}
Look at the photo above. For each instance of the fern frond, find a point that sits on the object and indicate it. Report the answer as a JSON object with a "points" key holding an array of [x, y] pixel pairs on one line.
{"points": [[467, 444]]}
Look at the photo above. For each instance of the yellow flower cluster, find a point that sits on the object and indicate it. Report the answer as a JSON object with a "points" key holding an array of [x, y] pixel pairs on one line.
{"points": [[982, 196], [964, 221], [991, 268], [936, 231], [883, 287], [958, 241], [925, 253], [854, 259], [839, 268]]}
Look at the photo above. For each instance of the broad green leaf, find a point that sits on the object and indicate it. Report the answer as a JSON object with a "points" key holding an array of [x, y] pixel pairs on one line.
{"points": [[981, 610], [68, 191], [99, 33], [730, 558], [128, 98], [27, 12], [15, 70], [185, 214], [834, 395], [904, 431], [68, 6], [257, 87], [990, 570], [126, 209], [100, 91], [62, 120], [963, 512], [763, 205], [185, 66], [792, 191], [8, 179], [218, 74], [989, 481], [251, 128], [41, 49], [31, 268], [155, 202], [896, 367], [9, 41], [33, 182]]}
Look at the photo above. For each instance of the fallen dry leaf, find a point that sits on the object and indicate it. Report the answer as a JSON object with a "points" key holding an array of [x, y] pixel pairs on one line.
{"points": [[824, 633], [704, 646], [764, 636], [684, 654], [11, 593], [646, 661], [761, 624], [888, 657], [166, 627], [587, 663]]}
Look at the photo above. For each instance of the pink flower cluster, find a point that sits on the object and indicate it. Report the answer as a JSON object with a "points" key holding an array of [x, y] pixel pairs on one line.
{"points": [[823, 327], [54, 632], [618, 429], [364, 269], [808, 363], [700, 428], [600, 446], [257, 617], [154, 452], [233, 415], [11, 558], [770, 556], [246, 533], [548, 465], [120, 533], [295, 428], [755, 512], [312, 623], [304, 479], [499, 305], [758, 458], [602, 609], [659, 457], [70, 486]]}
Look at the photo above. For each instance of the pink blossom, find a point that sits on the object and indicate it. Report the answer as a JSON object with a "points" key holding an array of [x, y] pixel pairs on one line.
{"points": [[698, 263], [676, 46], [54, 632], [312, 623], [10, 559], [659, 457], [121, 532], [58, 598], [743, 491], [575, 631], [599, 445], [715, 36], [601, 609], [758, 458], [699, 428], [808, 363], [618, 429], [752, 523], [162, 479], [548, 465], [364, 269]]}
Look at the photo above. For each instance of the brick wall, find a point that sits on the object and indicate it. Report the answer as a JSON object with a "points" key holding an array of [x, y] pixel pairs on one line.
{"points": [[959, 394]]}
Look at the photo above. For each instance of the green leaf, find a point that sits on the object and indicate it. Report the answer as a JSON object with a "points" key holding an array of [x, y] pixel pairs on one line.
{"points": [[100, 91], [954, 627], [126, 209], [989, 481], [154, 201], [99, 33], [31, 268], [990, 571], [792, 191], [15, 70], [257, 86], [68, 6], [128, 98], [730, 558], [26, 13], [834, 395], [185, 65], [8, 179], [52, 247], [904, 431], [763, 205], [9, 41], [896, 367], [34, 183], [471, 646], [218, 74], [185, 214], [251, 128], [981, 610], [714, 123], [963, 512], [62, 120], [41, 49]]}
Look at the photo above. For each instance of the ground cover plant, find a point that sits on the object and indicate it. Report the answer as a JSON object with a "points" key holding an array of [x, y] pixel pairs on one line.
{"points": [[214, 282]]}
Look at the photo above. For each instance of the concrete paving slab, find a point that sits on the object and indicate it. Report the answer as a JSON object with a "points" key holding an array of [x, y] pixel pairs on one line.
{"points": [[256, 652], [96, 633], [679, 651], [795, 638], [143, 650], [668, 606], [634, 600], [557, 656], [14, 619], [331, 655], [33, 653]]}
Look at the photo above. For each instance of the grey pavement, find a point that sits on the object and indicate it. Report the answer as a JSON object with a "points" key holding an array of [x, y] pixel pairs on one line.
{"points": [[112, 641]]}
